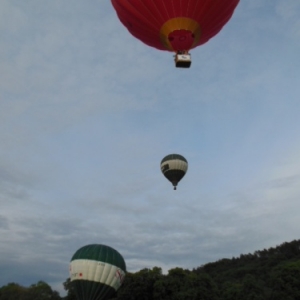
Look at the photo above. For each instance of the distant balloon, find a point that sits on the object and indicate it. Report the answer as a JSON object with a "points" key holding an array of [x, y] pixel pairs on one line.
{"points": [[174, 167], [96, 272]]}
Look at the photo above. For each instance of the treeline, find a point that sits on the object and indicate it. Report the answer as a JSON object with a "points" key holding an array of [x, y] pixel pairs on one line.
{"points": [[272, 274], [39, 291]]}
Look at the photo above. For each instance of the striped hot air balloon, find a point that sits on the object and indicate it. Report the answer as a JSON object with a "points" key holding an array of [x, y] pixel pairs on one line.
{"points": [[174, 25], [96, 272], [174, 167]]}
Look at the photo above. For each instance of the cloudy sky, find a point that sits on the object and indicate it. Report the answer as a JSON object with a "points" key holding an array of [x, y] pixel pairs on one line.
{"points": [[87, 112]]}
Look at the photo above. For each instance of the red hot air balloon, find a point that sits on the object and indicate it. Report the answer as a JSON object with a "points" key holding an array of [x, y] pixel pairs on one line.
{"points": [[174, 25]]}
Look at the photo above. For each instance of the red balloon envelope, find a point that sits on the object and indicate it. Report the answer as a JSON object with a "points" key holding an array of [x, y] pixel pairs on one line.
{"points": [[174, 25]]}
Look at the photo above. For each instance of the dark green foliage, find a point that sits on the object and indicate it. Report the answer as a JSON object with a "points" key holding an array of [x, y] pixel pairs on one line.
{"points": [[139, 285], [285, 280], [268, 274], [39, 291], [12, 291], [272, 274], [70, 290], [179, 284]]}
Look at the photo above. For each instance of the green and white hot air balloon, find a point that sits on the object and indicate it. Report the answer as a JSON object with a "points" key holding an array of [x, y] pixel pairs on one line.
{"points": [[174, 167], [96, 272]]}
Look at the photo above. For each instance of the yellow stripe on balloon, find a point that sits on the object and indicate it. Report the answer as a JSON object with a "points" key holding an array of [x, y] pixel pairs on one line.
{"points": [[179, 24]]}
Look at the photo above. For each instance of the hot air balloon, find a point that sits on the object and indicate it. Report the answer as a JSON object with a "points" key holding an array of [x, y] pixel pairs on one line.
{"points": [[174, 167], [175, 25], [96, 272]]}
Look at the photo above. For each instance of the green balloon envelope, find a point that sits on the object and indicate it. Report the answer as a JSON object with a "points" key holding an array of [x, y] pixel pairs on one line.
{"points": [[96, 272]]}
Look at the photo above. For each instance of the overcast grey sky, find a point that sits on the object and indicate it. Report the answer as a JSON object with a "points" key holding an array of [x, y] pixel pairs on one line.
{"points": [[87, 112]]}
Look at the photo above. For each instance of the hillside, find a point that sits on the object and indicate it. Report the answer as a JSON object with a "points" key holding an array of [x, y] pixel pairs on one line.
{"points": [[269, 274]]}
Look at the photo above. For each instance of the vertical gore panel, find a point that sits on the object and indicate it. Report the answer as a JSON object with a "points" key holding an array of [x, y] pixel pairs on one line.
{"points": [[96, 271], [145, 18]]}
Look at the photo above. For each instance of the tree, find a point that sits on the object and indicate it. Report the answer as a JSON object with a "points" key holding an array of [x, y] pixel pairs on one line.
{"points": [[70, 290], [182, 284], [139, 285], [285, 281], [12, 291], [39, 291]]}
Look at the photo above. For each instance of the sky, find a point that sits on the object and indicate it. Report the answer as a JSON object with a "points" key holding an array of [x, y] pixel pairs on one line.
{"points": [[87, 112]]}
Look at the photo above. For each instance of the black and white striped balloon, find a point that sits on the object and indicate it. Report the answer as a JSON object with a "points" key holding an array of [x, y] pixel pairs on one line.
{"points": [[174, 167]]}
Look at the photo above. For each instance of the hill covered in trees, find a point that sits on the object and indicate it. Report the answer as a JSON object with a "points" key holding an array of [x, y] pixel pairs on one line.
{"points": [[269, 274]]}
